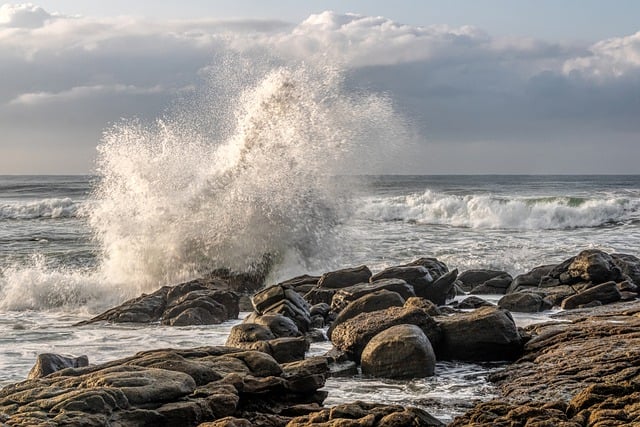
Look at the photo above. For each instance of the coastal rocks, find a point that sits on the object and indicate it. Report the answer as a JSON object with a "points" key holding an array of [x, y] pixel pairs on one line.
{"points": [[377, 300], [531, 279], [472, 302], [402, 351], [47, 363], [601, 294], [581, 370], [345, 277], [353, 335], [170, 388], [346, 295], [485, 334], [253, 336], [198, 302], [524, 302], [284, 300], [361, 414], [484, 281]]}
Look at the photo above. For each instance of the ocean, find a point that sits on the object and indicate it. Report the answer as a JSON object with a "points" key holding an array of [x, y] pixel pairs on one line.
{"points": [[71, 246]]}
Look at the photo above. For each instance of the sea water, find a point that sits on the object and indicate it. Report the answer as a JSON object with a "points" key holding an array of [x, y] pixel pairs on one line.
{"points": [[273, 160]]}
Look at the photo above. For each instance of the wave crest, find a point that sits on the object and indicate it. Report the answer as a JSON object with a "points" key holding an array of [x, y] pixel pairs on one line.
{"points": [[486, 211], [46, 208]]}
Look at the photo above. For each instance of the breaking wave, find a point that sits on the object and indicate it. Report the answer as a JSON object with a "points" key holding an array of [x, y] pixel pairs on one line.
{"points": [[486, 211], [47, 208]]}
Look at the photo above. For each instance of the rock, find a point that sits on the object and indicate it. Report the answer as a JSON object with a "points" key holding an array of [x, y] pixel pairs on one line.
{"points": [[581, 371], [288, 349], [47, 363], [346, 295], [429, 307], [485, 334], [301, 281], [319, 296], [442, 289], [279, 325], [436, 268], [378, 300], [353, 335], [472, 302], [495, 285], [402, 351], [415, 275], [529, 280], [604, 293], [470, 279], [283, 300], [321, 309], [524, 302], [345, 277], [629, 265], [247, 333], [595, 266], [198, 302], [157, 388], [361, 414]]}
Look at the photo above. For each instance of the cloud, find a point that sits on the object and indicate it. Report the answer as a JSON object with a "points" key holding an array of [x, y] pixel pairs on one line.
{"points": [[458, 86], [23, 16]]}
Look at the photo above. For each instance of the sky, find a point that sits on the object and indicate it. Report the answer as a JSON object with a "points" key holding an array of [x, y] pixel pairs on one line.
{"points": [[486, 87]]}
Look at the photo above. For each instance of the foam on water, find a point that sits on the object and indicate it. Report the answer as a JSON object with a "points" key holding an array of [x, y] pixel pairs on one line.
{"points": [[491, 212], [37, 209]]}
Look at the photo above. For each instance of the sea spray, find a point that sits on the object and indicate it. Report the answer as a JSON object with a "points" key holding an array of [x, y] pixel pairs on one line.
{"points": [[183, 195]]}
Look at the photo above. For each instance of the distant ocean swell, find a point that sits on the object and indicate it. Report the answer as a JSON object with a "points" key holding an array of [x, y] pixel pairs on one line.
{"points": [[491, 212], [46, 208]]}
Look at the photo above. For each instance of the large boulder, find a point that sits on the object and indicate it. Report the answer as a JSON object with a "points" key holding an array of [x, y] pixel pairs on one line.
{"points": [[629, 265], [345, 277], [346, 295], [415, 275], [530, 279], [485, 334], [281, 326], [524, 302], [48, 363], [604, 293], [471, 279], [353, 335], [402, 351], [283, 300], [496, 285], [378, 300], [595, 266]]}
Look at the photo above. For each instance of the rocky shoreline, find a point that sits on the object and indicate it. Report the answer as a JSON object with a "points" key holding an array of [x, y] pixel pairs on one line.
{"points": [[581, 369]]}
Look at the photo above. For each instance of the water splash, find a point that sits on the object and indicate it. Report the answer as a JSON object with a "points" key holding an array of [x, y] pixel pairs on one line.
{"points": [[189, 192]]}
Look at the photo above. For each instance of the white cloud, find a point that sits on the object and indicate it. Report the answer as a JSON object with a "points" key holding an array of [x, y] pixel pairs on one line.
{"points": [[611, 58], [456, 84], [23, 16]]}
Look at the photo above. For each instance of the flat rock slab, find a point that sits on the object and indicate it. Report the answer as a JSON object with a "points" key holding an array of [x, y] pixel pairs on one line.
{"points": [[583, 370]]}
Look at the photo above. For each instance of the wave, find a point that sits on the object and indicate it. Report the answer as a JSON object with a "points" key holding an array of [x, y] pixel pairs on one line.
{"points": [[40, 209], [491, 212]]}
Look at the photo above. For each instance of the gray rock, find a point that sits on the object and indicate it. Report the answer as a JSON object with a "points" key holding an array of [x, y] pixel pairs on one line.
{"points": [[604, 293], [344, 296], [279, 325], [524, 302], [402, 351], [629, 265], [485, 334], [248, 332], [470, 279], [345, 277], [530, 279], [473, 302], [415, 275], [495, 285], [47, 363]]}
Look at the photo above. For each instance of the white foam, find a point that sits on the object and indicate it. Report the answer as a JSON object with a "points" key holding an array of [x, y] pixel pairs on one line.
{"points": [[46, 208], [487, 211]]}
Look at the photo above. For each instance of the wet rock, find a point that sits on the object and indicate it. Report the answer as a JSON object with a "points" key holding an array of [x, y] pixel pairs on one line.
{"points": [[198, 302], [47, 363], [629, 266], [415, 275], [353, 335], [282, 299], [321, 309], [378, 300], [402, 351], [604, 293], [301, 281], [529, 280], [495, 285], [346, 295], [248, 332], [524, 302], [473, 302], [361, 414], [595, 266], [279, 325], [471, 279], [487, 333], [442, 289], [319, 296], [345, 277], [436, 268]]}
